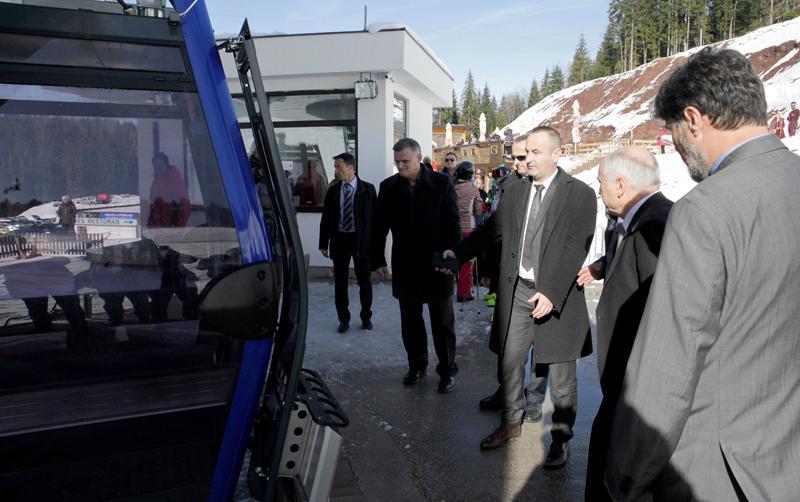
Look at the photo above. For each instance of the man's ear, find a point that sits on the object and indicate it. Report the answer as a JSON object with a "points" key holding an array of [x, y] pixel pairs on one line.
{"points": [[694, 119]]}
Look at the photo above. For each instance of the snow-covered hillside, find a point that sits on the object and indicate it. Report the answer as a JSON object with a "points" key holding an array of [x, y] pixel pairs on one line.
{"points": [[675, 183], [615, 106]]}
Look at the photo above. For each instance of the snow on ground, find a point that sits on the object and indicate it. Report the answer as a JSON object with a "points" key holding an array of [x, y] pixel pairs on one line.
{"points": [[781, 88], [125, 203], [675, 183]]}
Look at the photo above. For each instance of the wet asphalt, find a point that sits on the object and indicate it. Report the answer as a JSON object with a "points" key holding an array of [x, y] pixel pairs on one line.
{"points": [[415, 444]]}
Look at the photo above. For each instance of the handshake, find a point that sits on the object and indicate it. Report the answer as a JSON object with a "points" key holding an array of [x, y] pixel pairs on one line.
{"points": [[446, 263]]}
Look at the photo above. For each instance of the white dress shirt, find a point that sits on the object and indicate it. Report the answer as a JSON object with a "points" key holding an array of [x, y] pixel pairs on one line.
{"points": [[526, 273]]}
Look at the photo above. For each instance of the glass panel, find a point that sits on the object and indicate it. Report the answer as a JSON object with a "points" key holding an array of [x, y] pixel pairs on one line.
{"points": [[31, 49], [323, 107], [307, 155], [399, 114], [113, 217]]}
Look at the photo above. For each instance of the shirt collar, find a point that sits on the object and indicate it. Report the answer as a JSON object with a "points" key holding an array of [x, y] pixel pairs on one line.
{"points": [[547, 182], [353, 183], [626, 221], [730, 150]]}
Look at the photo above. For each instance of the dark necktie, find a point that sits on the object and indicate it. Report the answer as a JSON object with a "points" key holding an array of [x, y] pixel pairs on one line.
{"points": [[527, 253], [613, 243], [347, 210]]}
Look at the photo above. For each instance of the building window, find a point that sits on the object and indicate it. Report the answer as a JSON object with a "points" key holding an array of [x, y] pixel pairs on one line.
{"points": [[400, 114], [310, 128]]}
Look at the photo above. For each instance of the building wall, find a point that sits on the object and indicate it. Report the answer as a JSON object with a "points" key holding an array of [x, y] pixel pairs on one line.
{"points": [[396, 61]]}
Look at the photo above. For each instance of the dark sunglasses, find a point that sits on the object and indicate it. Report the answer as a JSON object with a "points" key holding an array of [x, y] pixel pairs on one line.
{"points": [[520, 157], [449, 159]]}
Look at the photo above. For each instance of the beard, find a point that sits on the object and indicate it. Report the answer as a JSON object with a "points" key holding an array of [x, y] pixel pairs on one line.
{"points": [[692, 157]]}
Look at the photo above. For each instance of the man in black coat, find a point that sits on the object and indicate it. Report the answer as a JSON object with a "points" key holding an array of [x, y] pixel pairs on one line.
{"points": [[419, 206], [629, 186], [345, 232], [546, 227]]}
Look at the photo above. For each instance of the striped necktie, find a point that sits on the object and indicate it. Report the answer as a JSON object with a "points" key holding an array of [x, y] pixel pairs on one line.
{"points": [[347, 210]]}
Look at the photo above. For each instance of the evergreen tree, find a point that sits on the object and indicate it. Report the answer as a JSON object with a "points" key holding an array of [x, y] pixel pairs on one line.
{"points": [[511, 106], [556, 80], [488, 109], [581, 68], [545, 87], [470, 104], [608, 54], [534, 96], [454, 109]]}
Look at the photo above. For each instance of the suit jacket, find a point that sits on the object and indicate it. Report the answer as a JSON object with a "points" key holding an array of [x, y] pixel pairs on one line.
{"points": [[712, 381], [625, 290], [566, 223], [423, 221], [363, 208]]}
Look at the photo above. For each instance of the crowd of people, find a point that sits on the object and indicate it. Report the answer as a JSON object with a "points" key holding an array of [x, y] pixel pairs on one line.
{"points": [[697, 323]]}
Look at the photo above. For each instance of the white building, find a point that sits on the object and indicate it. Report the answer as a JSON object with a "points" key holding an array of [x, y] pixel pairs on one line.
{"points": [[310, 79]]}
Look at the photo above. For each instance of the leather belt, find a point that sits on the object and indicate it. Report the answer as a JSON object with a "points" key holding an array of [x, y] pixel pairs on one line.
{"points": [[527, 282]]}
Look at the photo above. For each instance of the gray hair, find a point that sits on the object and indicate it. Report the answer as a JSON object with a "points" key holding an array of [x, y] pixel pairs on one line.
{"points": [[721, 83], [409, 143], [637, 165]]}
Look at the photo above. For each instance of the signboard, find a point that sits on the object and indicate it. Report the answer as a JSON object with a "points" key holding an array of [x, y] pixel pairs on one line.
{"points": [[107, 219]]}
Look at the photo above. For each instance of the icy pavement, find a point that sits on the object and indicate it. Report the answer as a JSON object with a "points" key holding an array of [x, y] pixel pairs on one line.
{"points": [[412, 443]]}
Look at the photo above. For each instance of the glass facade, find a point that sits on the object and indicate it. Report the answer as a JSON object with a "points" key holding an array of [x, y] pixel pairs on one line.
{"points": [[311, 128]]}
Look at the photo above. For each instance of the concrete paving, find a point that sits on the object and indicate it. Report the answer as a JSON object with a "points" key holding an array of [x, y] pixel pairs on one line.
{"points": [[412, 443]]}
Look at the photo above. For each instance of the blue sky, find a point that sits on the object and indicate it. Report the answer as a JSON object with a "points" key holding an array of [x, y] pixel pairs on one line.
{"points": [[505, 44]]}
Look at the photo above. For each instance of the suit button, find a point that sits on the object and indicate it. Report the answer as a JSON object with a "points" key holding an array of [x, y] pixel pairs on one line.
{"points": [[513, 255], [509, 279]]}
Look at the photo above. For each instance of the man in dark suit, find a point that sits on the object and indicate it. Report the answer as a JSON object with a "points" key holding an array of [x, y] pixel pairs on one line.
{"points": [[346, 228], [629, 186], [710, 403], [419, 206], [546, 227]]}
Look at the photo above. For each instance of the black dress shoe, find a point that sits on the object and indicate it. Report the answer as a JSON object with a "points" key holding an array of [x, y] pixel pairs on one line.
{"points": [[492, 402], [557, 456], [533, 413], [366, 324], [447, 384], [413, 377], [343, 326], [500, 436]]}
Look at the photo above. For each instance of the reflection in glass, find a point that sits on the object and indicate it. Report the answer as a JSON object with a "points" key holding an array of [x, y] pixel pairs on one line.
{"points": [[112, 217], [307, 155]]}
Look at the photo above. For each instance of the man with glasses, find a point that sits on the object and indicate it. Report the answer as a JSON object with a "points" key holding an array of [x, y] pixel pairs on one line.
{"points": [[450, 162]]}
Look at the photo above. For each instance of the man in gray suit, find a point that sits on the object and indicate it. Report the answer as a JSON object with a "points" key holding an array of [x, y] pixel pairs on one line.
{"points": [[710, 408]]}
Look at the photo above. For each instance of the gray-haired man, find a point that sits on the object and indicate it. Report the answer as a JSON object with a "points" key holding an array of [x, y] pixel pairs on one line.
{"points": [[629, 186], [710, 403]]}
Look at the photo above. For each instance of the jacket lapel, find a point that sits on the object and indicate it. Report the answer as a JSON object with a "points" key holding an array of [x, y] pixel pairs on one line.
{"points": [[552, 206]]}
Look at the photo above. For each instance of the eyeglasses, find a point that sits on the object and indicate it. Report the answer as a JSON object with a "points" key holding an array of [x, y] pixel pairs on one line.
{"points": [[520, 157], [449, 160]]}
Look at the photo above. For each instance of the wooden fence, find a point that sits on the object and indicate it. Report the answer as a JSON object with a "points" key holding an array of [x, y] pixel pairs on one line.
{"points": [[29, 245]]}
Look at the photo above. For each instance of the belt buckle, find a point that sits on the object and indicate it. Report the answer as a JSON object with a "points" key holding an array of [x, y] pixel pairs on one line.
{"points": [[531, 284]]}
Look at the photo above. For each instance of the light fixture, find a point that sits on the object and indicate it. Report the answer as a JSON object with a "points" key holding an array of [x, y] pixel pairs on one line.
{"points": [[366, 88]]}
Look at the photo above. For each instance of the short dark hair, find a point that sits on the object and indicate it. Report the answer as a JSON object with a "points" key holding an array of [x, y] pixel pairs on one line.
{"points": [[409, 143], [721, 84], [555, 138], [450, 153], [348, 159], [162, 157]]}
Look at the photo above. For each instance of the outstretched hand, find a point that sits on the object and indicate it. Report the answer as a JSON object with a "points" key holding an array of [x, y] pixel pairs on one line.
{"points": [[447, 253], [590, 273], [383, 272]]}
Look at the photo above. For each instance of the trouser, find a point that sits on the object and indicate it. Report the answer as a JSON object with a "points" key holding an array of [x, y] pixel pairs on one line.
{"points": [[70, 305], [563, 379], [415, 338], [343, 249], [464, 289], [598, 451]]}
